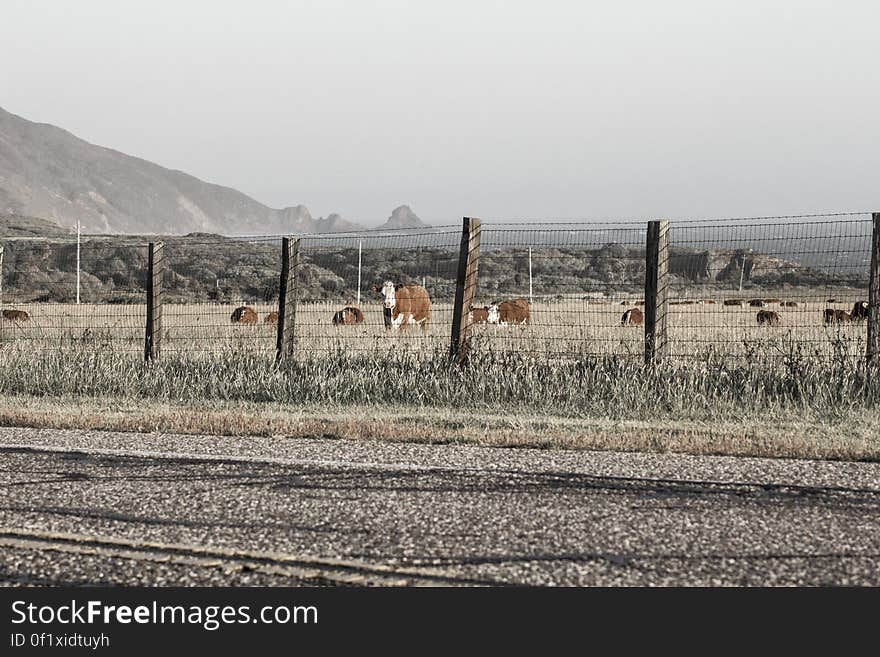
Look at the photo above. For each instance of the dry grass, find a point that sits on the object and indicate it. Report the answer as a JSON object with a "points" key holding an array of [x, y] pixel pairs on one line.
{"points": [[570, 326], [794, 438]]}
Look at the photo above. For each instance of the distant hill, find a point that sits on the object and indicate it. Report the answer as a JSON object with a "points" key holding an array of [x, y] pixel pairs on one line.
{"points": [[403, 217], [48, 172], [13, 225]]}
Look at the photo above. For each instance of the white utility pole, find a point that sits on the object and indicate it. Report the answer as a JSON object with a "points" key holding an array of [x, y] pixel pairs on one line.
{"points": [[360, 252], [742, 270], [77, 259], [531, 299]]}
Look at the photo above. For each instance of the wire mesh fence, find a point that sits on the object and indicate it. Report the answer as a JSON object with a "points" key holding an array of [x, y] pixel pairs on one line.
{"points": [[576, 282], [220, 294], [55, 296], [349, 272], [742, 290], [768, 287]]}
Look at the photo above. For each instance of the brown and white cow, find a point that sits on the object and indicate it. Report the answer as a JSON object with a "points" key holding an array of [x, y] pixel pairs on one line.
{"points": [[244, 315], [859, 311], [405, 305], [348, 316], [769, 317], [480, 315], [515, 311], [632, 317]]}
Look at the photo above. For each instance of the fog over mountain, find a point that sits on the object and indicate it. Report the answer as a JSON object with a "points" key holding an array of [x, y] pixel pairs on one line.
{"points": [[50, 173]]}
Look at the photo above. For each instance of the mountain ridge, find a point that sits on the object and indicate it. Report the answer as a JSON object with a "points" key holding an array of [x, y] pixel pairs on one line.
{"points": [[50, 173]]}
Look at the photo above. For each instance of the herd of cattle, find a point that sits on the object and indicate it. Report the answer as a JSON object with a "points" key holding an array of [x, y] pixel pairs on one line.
{"points": [[406, 305], [635, 317]]}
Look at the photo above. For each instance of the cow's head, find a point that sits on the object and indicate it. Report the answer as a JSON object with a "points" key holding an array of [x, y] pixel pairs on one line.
{"points": [[388, 294], [493, 316]]}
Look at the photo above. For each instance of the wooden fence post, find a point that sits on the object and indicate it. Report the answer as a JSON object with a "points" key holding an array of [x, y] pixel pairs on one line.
{"points": [[287, 294], [656, 282], [873, 346], [155, 271], [1, 291], [465, 286]]}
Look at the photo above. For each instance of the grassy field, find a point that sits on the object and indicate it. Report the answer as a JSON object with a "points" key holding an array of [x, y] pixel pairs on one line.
{"points": [[569, 327], [573, 379]]}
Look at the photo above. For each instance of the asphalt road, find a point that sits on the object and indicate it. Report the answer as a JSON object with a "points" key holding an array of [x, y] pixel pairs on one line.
{"points": [[156, 509]]}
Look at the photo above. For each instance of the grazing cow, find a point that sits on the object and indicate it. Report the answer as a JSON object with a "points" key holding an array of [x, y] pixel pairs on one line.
{"points": [[859, 311], [348, 316], [244, 315], [515, 311], [480, 315], [632, 317], [272, 318], [788, 304], [15, 315], [769, 317], [771, 301], [733, 302], [707, 302], [833, 316], [757, 303], [405, 305]]}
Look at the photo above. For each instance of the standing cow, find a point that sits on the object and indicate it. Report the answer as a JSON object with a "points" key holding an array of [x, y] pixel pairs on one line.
{"points": [[405, 305], [768, 317], [859, 311], [480, 315], [508, 312], [632, 317], [834, 316]]}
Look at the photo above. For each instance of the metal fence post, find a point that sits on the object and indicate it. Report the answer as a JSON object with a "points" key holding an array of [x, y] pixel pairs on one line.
{"points": [[873, 346], [155, 271], [656, 282], [287, 294], [465, 286]]}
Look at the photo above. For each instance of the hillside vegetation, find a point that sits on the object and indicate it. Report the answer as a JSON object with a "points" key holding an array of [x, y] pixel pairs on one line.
{"points": [[202, 267]]}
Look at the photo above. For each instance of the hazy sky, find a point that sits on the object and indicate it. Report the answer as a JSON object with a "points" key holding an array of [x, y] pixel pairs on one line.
{"points": [[490, 109]]}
